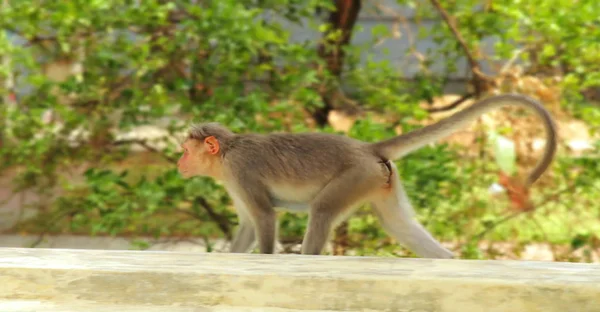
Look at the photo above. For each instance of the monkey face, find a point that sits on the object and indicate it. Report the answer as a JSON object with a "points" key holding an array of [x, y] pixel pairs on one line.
{"points": [[192, 162], [197, 159]]}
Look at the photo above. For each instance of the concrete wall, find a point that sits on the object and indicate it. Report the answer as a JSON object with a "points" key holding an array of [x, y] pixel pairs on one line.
{"points": [[100, 280]]}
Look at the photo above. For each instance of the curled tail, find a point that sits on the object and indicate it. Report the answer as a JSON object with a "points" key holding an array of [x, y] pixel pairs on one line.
{"points": [[401, 145]]}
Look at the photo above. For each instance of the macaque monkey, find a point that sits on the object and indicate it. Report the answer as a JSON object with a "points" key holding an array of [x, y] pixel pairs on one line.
{"points": [[328, 176]]}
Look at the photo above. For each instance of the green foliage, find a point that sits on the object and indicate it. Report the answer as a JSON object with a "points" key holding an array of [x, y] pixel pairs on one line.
{"points": [[143, 62], [173, 62], [549, 37]]}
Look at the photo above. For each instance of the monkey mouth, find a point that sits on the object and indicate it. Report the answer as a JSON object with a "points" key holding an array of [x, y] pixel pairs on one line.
{"points": [[183, 173]]}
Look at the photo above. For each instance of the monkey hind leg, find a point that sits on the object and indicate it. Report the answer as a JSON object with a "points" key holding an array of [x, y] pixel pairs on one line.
{"points": [[396, 215], [336, 201]]}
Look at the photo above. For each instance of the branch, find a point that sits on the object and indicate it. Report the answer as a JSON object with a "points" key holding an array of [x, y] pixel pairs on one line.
{"points": [[451, 105], [221, 220], [342, 19], [493, 226], [480, 81], [51, 223], [145, 145], [551, 197], [118, 87], [37, 39]]}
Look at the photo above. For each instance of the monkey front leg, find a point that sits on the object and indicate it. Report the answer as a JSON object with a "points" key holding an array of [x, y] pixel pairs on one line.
{"points": [[265, 224], [244, 237], [254, 223], [247, 232]]}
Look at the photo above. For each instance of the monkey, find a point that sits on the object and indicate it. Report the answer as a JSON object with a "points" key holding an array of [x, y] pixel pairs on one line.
{"points": [[329, 175]]}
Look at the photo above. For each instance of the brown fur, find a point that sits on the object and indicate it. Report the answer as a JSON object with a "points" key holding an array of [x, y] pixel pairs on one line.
{"points": [[326, 174], [323, 155]]}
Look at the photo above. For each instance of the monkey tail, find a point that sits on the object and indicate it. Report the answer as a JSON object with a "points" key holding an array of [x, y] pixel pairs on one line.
{"points": [[401, 145]]}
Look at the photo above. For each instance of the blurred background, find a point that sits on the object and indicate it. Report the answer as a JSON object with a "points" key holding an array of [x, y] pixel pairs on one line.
{"points": [[97, 94]]}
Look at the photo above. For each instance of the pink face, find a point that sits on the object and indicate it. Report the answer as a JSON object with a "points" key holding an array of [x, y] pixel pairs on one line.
{"points": [[199, 159], [183, 164]]}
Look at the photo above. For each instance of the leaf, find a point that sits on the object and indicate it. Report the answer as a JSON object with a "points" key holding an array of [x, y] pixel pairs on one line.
{"points": [[579, 241], [517, 192], [504, 152], [380, 30]]}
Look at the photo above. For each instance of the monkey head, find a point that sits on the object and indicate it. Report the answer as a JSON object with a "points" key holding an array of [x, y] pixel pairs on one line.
{"points": [[200, 158]]}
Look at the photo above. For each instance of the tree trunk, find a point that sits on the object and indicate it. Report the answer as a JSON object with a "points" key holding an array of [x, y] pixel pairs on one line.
{"points": [[343, 18]]}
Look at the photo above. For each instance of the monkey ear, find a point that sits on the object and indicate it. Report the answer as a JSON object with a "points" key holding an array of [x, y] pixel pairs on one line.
{"points": [[212, 145]]}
